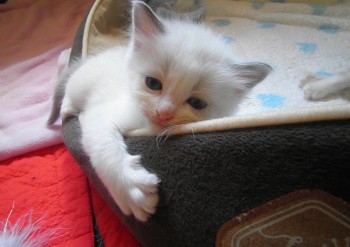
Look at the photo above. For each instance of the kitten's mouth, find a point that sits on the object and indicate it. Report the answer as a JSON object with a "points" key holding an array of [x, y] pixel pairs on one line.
{"points": [[156, 121], [159, 122]]}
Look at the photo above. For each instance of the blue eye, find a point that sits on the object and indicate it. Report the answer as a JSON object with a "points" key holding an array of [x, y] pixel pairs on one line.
{"points": [[197, 103], [153, 83]]}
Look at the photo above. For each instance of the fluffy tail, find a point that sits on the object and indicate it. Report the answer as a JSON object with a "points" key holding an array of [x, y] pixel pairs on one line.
{"points": [[25, 232]]}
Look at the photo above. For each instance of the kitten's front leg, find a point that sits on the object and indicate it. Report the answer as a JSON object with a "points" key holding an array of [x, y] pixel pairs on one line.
{"points": [[133, 188]]}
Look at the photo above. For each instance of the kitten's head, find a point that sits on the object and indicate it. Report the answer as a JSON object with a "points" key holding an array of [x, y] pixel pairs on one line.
{"points": [[183, 71]]}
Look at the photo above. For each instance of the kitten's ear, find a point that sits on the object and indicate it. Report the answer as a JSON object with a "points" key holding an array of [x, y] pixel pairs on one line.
{"points": [[251, 73], [145, 22]]}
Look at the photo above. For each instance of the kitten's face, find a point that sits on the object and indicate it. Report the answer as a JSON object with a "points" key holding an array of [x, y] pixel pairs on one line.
{"points": [[176, 90], [184, 72]]}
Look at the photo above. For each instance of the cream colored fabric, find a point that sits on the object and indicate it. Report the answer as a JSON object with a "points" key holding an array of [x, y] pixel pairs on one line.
{"points": [[105, 26]]}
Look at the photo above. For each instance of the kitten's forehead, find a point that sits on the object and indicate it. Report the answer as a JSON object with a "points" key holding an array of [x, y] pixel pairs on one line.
{"points": [[185, 74], [186, 65], [189, 59]]}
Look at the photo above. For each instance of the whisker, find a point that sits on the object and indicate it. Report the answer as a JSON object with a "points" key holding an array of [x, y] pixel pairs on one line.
{"points": [[167, 132], [160, 136], [172, 129], [158, 140], [193, 134]]}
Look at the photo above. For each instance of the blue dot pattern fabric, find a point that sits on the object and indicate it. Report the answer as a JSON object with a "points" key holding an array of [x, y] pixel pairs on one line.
{"points": [[307, 47], [323, 73], [329, 28], [271, 100], [299, 38]]}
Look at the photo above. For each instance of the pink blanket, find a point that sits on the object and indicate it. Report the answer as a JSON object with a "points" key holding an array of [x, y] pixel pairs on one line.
{"points": [[33, 35], [25, 91]]}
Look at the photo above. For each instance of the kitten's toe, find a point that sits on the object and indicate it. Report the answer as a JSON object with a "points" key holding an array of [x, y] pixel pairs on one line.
{"points": [[135, 162], [309, 78], [142, 204], [140, 214], [150, 204], [144, 194], [314, 88], [147, 202], [313, 91], [308, 94], [143, 187], [123, 204], [147, 182]]}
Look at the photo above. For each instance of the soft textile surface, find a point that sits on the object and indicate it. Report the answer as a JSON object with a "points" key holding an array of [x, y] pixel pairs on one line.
{"points": [[296, 39], [48, 186], [46, 193], [209, 178], [25, 90], [33, 34], [30, 28]]}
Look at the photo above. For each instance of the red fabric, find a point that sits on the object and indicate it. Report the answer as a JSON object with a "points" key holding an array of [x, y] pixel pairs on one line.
{"points": [[50, 183], [112, 229]]}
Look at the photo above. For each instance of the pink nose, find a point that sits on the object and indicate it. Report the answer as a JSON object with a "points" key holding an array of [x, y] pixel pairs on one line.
{"points": [[165, 115]]}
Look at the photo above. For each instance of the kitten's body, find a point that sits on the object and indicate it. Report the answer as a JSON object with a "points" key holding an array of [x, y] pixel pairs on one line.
{"points": [[316, 88], [172, 72], [104, 79]]}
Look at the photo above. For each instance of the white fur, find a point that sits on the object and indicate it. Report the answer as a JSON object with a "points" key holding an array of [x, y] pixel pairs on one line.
{"points": [[316, 88], [100, 91], [109, 94], [25, 232]]}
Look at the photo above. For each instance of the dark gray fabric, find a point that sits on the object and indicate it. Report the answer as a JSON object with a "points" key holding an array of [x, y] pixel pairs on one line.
{"points": [[209, 178]]}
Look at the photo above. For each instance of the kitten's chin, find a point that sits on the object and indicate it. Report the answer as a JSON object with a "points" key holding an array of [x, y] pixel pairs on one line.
{"points": [[163, 124], [154, 121], [159, 124]]}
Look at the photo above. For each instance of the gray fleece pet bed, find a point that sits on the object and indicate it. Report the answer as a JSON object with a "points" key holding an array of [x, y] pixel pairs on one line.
{"points": [[226, 169]]}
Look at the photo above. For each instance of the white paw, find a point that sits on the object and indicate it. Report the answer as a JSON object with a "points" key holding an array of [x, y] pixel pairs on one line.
{"points": [[313, 88], [136, 192], [312, 92]]}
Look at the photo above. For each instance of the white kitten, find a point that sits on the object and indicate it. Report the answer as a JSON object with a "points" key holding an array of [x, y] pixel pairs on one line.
{"points": [[316, 88], [172, 72]]}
